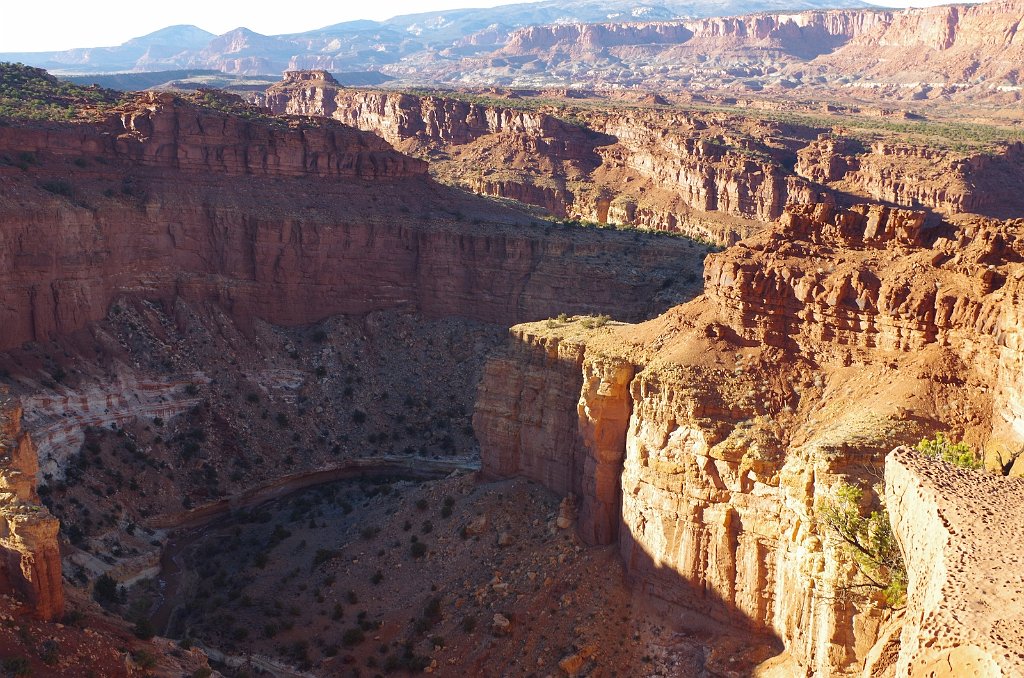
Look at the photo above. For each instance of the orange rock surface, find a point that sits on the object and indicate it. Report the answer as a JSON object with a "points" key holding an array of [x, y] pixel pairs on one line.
{"points": [[818, 345], [30, 565], [960, 531]]}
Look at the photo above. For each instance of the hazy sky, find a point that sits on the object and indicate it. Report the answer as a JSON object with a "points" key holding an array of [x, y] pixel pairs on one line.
{"points": [[38, 25]]}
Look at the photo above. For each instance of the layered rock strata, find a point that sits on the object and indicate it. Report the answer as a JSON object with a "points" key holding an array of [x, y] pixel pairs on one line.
{"points": [[286, 221], [803, 34], [818, 346], [713, 176], [30, 566], [946, 181], [664, 172]]}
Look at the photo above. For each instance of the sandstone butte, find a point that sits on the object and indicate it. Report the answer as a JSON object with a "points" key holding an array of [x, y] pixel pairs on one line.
{"points": [[702, 441]]}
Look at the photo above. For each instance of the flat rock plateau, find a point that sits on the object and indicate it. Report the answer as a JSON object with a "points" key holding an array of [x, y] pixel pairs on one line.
{"points": [[521, 380]]}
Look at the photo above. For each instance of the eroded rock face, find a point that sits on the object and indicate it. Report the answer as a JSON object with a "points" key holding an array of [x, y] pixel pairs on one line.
{"points": [[959, 530], [658, 171], [953, 43], [818, 345], [30, 566], [946, 181], [287, 225]]}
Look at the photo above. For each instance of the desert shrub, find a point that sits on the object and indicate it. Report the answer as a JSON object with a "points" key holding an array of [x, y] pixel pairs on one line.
{"points": [[50, 652], [595, 321], [143, 629], [418, 549], [145, 660], [105, 589], [322, 556], [353, 636], [867, 540], [58, 187], [18, 666], [942, 448]]}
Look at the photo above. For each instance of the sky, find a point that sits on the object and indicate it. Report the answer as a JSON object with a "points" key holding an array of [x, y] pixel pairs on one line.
{"points": [[28, 26], [35, 26]]}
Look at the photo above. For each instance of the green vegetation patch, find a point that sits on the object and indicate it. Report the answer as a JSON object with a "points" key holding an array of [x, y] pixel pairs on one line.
{"points": [[232, 104], [28, 93], [868, 540]]}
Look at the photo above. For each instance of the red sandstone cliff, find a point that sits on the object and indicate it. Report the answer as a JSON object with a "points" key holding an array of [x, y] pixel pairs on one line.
{"points": [[819, 345], [289, 223], [30, 564], [981, 44]]}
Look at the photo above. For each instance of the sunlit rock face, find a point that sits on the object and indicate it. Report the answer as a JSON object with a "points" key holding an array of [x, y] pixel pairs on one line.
{"points": [[817, 346], [30, 566]]}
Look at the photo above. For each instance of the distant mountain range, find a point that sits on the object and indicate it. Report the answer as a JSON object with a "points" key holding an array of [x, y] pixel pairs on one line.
{"points": [[374, 45]]}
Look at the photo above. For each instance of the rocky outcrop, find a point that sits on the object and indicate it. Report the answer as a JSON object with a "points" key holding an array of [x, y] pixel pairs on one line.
{"points": [[398, 117], [162, 131], [959, 531], [946, 181], [951, 44], [819, 345], [663, 171], [187, 202], [29, 553]]}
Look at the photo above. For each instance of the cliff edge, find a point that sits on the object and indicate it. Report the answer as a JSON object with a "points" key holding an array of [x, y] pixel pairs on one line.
{"points": [[703, 442], [959, 531]]}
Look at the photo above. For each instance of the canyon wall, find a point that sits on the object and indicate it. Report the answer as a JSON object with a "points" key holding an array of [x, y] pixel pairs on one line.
{"points": [[949, 182], [805, 34], [29, 553], [662, 171], [397, 117], [165, 199], [818, 346]]}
